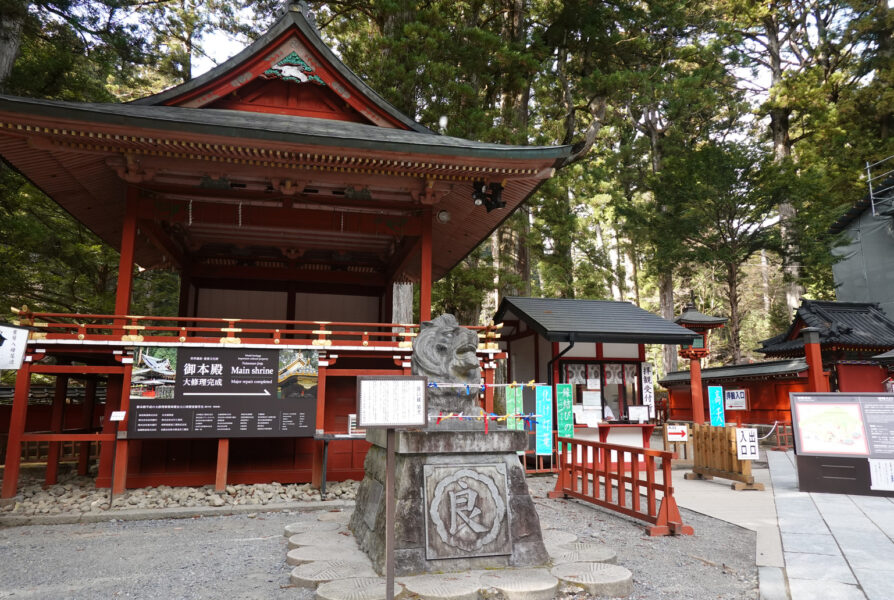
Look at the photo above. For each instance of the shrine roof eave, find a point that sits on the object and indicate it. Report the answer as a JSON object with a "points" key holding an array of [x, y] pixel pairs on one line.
{"points": [[292, 17], [782, 368], [272, 128]]}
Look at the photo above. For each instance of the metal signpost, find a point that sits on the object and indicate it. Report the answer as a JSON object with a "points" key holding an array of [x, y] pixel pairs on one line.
{"points": [[391, 402]]}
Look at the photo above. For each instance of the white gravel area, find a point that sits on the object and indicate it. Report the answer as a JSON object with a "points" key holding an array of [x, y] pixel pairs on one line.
{"points": [[244, 556]]}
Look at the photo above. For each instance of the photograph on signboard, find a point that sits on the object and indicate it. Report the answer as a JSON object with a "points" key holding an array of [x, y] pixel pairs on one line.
{"points": [[826, 428], [223, 392]]}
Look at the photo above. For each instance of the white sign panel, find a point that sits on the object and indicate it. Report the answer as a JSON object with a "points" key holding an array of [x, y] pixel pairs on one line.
{"points": [[881, 474], [677, 433], [648, 389], [117, 415], [638, 414], [746, 443], [735, 400], [392, 402], [13, 341]]}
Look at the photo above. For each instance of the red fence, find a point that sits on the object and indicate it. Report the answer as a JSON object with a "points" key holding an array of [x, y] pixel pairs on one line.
{"points": [[601, 473]]}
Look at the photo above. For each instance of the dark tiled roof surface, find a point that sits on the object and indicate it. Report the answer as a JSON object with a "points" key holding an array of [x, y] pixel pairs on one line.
{"points": [[851, 324], [561, 319], [764, 369], [860, 207], [694, 317]]}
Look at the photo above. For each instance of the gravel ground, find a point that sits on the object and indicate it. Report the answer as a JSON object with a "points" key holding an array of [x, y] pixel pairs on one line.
{"points": [[243, 556]]}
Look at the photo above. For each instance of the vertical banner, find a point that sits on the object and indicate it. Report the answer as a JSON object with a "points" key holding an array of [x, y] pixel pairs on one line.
{"points": [[564, 417], [648, 389], [544, 419], [715, 405], [514, 406]]}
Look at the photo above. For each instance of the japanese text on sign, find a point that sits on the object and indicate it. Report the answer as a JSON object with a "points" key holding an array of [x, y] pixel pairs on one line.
{"points": [[747, 443], [544, 407], [391, 401]]}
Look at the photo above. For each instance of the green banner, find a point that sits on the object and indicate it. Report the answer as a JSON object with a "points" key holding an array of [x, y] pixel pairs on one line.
{"points": [[565, 421], [514, 406]]}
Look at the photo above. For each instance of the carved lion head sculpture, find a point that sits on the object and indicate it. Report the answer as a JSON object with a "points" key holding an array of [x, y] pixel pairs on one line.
{"points": [[445, 353]]}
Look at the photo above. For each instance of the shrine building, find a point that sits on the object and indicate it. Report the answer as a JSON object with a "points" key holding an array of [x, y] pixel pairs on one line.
{"points": [[291, 199]]}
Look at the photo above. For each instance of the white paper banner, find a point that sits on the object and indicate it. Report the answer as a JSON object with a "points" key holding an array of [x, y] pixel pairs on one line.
{"points": [[13, 341]]}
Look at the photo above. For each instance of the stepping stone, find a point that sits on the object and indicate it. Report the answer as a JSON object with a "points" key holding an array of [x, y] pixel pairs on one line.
{"points": [[598, 579], [311, 575], [313, 538], [359, 588], [555, 537], [446, 586], [522, 584], [307, 554], [584, 552], [338, 516], [310, 526]]}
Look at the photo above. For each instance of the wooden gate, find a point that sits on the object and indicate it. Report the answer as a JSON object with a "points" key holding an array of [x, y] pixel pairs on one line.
{"points": [[716, 456]]}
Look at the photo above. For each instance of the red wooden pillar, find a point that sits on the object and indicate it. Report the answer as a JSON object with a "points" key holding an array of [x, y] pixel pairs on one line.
{"points": [[119, 482], [107, 449], [316, 477], [488, 390], [223, 462], [425, 279], [57, 419], [816, 380], [16, 429], [87, 424], [125, 261], [695, 386]]}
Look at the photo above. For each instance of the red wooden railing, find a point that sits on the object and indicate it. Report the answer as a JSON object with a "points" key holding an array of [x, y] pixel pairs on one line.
{"points": [[600, 473], [206, 330]]}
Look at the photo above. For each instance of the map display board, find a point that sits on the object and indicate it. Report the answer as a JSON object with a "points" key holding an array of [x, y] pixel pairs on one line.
{"points": [[392, 402], [848, 425], [223, 393]]}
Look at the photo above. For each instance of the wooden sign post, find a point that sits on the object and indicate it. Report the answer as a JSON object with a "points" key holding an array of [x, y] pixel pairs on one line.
{"points": [[388, 403]]}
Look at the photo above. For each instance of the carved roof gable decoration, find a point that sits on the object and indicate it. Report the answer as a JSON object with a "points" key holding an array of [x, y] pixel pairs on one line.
{"points": [[293, 68]]}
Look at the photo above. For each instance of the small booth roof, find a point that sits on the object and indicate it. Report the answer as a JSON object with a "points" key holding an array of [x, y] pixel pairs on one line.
{"points": [[763, 369], [857, 325], [565, 320]]}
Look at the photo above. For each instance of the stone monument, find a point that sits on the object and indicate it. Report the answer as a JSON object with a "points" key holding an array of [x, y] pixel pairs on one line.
{"points": [[461, 497]]}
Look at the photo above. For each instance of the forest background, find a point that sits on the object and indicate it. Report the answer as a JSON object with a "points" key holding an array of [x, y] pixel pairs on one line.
{"points": [[715, 140]]}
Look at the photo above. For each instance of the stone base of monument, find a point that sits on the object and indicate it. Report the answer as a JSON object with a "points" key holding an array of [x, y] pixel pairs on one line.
{"points": [[461, 503]]}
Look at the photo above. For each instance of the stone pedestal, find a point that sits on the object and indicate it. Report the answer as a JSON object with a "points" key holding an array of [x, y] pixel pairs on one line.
{"points": [[461, 503]]}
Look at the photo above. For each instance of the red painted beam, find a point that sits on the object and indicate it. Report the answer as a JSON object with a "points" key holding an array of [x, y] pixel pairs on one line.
{"points": [[77, 369], [68, 437]]}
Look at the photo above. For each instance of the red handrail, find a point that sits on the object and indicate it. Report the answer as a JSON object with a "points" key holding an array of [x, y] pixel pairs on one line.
{"points": [[599, 473], [205, 330]]}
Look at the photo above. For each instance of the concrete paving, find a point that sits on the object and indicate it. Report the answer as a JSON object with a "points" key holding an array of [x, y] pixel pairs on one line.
{"points": [[809, 545]]}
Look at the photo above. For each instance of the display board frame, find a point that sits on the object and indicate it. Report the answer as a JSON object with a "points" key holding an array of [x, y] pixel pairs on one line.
{"points": [[415, 406]]}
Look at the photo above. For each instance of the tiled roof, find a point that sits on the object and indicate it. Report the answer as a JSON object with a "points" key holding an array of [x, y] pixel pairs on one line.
{"points": [[763, 369], [694, 317], [563, 319], [858, 325]]}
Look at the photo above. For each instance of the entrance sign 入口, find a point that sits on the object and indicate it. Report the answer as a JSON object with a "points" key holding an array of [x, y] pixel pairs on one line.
{"points": [[715, 405], [13, 341], [386, 401], [224, 393], [735, 400], [747, 443]]}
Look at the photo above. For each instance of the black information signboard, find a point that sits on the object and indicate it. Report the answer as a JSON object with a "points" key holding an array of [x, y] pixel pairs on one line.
{"points": [[844, 442], [224, 393]]}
